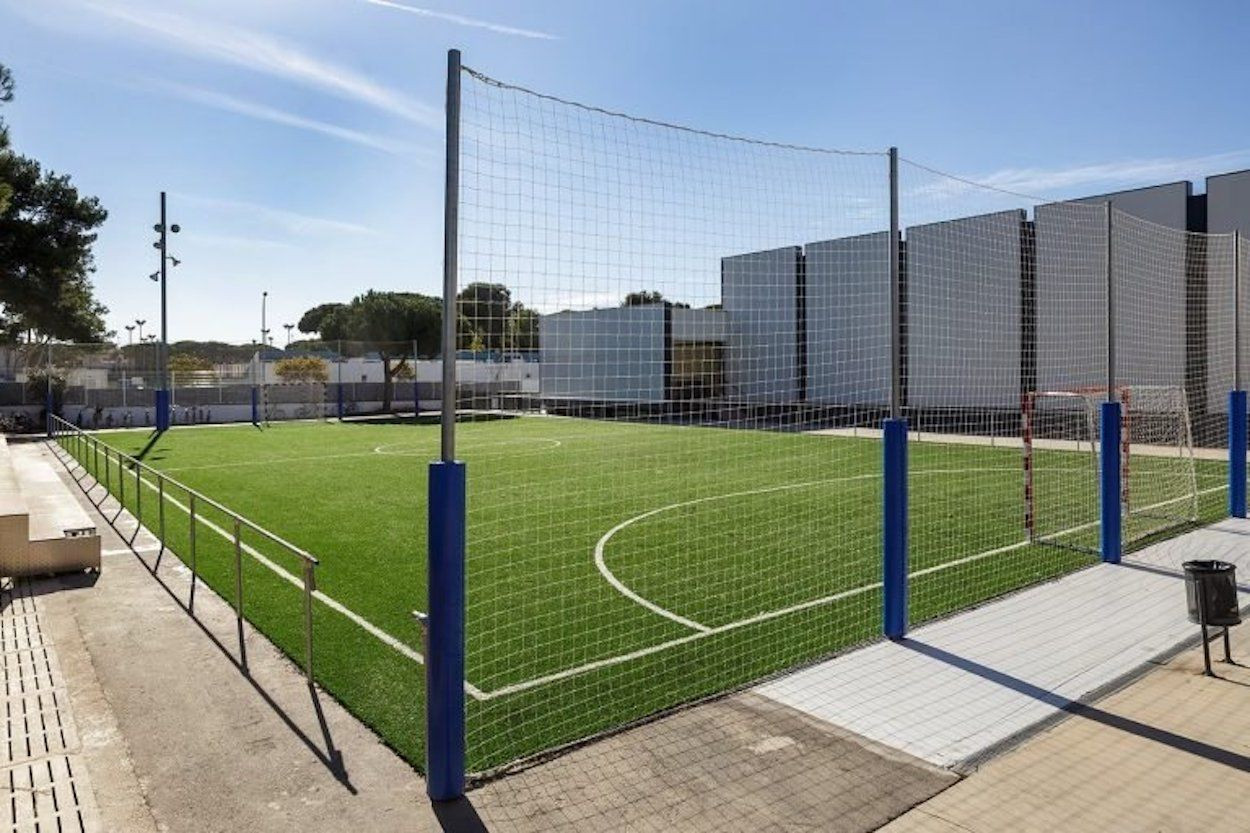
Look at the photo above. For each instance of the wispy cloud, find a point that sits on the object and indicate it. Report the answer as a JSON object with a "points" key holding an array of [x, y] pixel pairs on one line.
{"points": [[461, 20], [268, 55], [290, 222], [1045, 181], [263, 112], [233, 241]]}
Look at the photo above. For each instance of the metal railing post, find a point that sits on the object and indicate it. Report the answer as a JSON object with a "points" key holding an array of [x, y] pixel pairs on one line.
{"points": [[160, 507], [238, 589], [194, 572], [309, 587]]}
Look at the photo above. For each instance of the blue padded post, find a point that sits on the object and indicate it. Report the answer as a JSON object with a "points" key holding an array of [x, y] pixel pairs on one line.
{"points": [[894, 527], [47, 404], [1237, 453], [1109, 486], [255, 405], [444, 661], [340, 400], [162, 410]]}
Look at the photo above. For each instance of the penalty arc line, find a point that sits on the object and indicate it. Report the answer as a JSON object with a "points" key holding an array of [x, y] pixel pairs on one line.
{"points": [[607, 662], [624, 590]]}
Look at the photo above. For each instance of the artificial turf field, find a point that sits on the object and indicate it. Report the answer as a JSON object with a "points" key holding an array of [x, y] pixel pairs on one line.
{"points": [[614, 569]]}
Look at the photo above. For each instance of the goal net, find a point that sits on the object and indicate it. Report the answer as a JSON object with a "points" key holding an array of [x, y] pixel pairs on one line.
{"points": [[1062, 444]]}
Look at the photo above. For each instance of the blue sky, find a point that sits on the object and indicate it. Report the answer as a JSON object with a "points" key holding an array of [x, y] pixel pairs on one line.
{"points": [[301, 140]]}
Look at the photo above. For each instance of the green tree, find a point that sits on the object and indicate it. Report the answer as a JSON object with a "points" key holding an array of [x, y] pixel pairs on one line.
{"points": [[485, 310], [188, 363], [46, 233], [6, 95], [302, 369], [390, 322], [522, 329], [649, 296]]}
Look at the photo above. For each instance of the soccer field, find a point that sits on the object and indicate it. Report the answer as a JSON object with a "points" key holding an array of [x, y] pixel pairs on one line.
{"points": [[614, 569]]}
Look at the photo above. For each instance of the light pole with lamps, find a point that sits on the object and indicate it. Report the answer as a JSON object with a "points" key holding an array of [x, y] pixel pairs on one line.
{"points": [[288, 328], [130, 344], [163, 228]]}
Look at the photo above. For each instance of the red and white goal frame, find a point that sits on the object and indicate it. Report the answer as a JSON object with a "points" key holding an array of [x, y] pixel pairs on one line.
{"points": [[1089, 396]]}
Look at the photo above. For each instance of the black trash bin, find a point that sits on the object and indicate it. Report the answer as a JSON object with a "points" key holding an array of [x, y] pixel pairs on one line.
{"points": [[1211, 594]]}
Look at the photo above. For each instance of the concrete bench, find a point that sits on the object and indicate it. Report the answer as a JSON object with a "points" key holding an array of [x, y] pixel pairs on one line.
{"points": [[47, 530]]}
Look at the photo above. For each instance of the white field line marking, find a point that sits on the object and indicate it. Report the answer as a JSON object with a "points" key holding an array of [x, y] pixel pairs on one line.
{"points": [[557, 676], [624, 590], [330, 602], [381, 449]]}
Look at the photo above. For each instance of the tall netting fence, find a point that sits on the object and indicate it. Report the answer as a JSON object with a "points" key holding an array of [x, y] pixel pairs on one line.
{"points": [[686, 502], [682, 506]]}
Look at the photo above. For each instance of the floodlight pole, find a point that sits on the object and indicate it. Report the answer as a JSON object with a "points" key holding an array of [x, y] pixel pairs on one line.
{"points": [[162, 394], [1111, 517], [445, 575], [894, 446], [1237, 402]]}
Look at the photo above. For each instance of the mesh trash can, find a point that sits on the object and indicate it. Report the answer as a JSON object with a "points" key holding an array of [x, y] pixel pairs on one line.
{"points": [[1211, 593]]}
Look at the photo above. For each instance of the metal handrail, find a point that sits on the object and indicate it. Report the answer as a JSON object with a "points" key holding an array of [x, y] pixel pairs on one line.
{"points": [[61, 427]]}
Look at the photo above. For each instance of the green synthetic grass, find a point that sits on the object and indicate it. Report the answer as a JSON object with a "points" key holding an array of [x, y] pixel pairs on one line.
{"points": [[726, 528]]}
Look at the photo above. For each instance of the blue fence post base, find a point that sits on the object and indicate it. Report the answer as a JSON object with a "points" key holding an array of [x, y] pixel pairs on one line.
{"points": [[444, 661], [1237, 453], [340, 400], [162, 410], [255, 406], [1110, 517], [894, 528]]}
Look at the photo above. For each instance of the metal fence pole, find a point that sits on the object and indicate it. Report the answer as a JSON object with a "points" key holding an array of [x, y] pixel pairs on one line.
{"points": [[310, 586], [894, 447], [1110, 505], [160, 507], [1237, 402], [194, 572], [444, 669], [238, 589]]}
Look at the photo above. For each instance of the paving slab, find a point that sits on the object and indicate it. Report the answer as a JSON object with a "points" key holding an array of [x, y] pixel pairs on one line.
{"points": [[1168, 754], [958, 689]]}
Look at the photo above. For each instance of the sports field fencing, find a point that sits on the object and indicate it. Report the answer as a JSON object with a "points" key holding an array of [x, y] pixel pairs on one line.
{"points": [[737, 308]]}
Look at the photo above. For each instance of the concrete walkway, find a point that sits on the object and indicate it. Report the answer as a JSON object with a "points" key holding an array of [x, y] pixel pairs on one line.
{"points": [[957, 690], [1168, 754], [181, 738]]}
